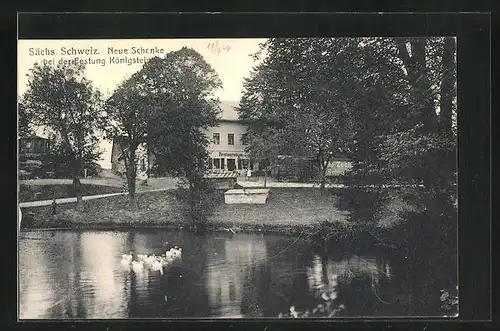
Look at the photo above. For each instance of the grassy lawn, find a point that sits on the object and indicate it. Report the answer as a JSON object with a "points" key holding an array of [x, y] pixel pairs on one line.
{"points": [[48, 192], [285, 206]]}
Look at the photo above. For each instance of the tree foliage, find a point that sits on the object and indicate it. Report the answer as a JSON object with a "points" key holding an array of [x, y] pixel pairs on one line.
{"points": [[415, 134], [418, 150], [25, 125], [66, 104], [298, 101], [179, 89], [389, 104], [128, 113], [55, 160]]}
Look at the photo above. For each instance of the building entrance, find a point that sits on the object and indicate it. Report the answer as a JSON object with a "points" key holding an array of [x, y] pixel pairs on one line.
{"points": [[231, 164]]}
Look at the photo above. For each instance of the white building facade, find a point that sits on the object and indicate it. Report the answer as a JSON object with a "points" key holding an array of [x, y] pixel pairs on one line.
{"points": [[226, 149]]}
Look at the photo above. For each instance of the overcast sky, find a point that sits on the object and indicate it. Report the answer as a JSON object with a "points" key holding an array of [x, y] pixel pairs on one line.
{"points": [[229, 57]]}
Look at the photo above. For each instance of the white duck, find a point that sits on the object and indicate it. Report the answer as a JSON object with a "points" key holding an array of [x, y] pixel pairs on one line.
{"points": [[127, 258], [177, 252], [149, 260], [125, 262], [142, 257], [137, 265], [157, 266]]}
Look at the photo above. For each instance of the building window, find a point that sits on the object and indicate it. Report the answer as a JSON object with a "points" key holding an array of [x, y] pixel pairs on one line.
{"points": [[242, 140], [216, 138], [216, 163], [230, 138], [243, 164]]}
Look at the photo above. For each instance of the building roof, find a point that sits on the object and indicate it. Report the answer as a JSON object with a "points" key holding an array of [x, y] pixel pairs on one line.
{"points": [[228, 111]]}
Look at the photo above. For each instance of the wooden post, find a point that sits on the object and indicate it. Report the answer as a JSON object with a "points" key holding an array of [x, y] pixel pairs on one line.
{"points": [[265, 177]]}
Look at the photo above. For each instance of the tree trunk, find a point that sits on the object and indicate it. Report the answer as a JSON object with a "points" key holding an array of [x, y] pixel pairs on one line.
{"points": [[148, 160], [131, 193], [324, 168], [131, 171], [418, 77], [446, 91], [421, 83], [75, 167], [191, 204], [149, 145], [77, 188], [323, 177]]}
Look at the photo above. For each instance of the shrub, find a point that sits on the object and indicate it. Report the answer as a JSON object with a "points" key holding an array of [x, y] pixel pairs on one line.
{"points": [[199, 198], [327, 233], [449, 303], [326, 308]]}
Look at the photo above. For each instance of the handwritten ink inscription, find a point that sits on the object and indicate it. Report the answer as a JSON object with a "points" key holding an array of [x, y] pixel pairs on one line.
{"points": [[217, 47]]}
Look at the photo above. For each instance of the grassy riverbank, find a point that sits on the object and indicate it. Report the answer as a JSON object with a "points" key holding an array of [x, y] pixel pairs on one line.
{"points": [[286, 210]]}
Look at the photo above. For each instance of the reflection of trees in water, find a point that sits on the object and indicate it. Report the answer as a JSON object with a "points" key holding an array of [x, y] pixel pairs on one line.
{"points": [[328, 277], [73, 306], [229, 267], [256, 292], [279, 280], [323, 273], [36, 288], [423, 242], [403, 289], [420, 285], [362, 286], [182, 288], [52, 268]]}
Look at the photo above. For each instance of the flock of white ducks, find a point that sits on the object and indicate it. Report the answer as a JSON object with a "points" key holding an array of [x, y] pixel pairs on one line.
{"points": [[153, 262]]}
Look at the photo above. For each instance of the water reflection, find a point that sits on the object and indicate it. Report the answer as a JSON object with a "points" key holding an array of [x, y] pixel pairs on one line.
{"points": [[77, 274], [325, 274], [39, 298], [105, 285], [230, 265]]}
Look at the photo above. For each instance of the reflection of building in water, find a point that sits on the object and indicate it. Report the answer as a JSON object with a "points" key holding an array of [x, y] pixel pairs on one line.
{"points": [[226, 276], [99, 276], [323, 274]]}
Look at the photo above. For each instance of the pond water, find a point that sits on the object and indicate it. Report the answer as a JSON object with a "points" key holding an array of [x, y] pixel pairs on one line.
{"points": [[78, 274]]}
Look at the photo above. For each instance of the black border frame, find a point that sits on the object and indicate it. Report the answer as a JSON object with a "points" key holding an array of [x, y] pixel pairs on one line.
{"points": [[474, 64]]}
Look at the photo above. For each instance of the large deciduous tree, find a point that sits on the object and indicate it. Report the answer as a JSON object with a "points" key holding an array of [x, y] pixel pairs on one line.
{"points": [[65, 103], [128, 113], [297, 100], [417, 150], [180, 88], [24, 128]]}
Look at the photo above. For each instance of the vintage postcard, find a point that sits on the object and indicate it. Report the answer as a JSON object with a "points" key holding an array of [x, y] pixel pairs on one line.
{"points": [[237, 178]]}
